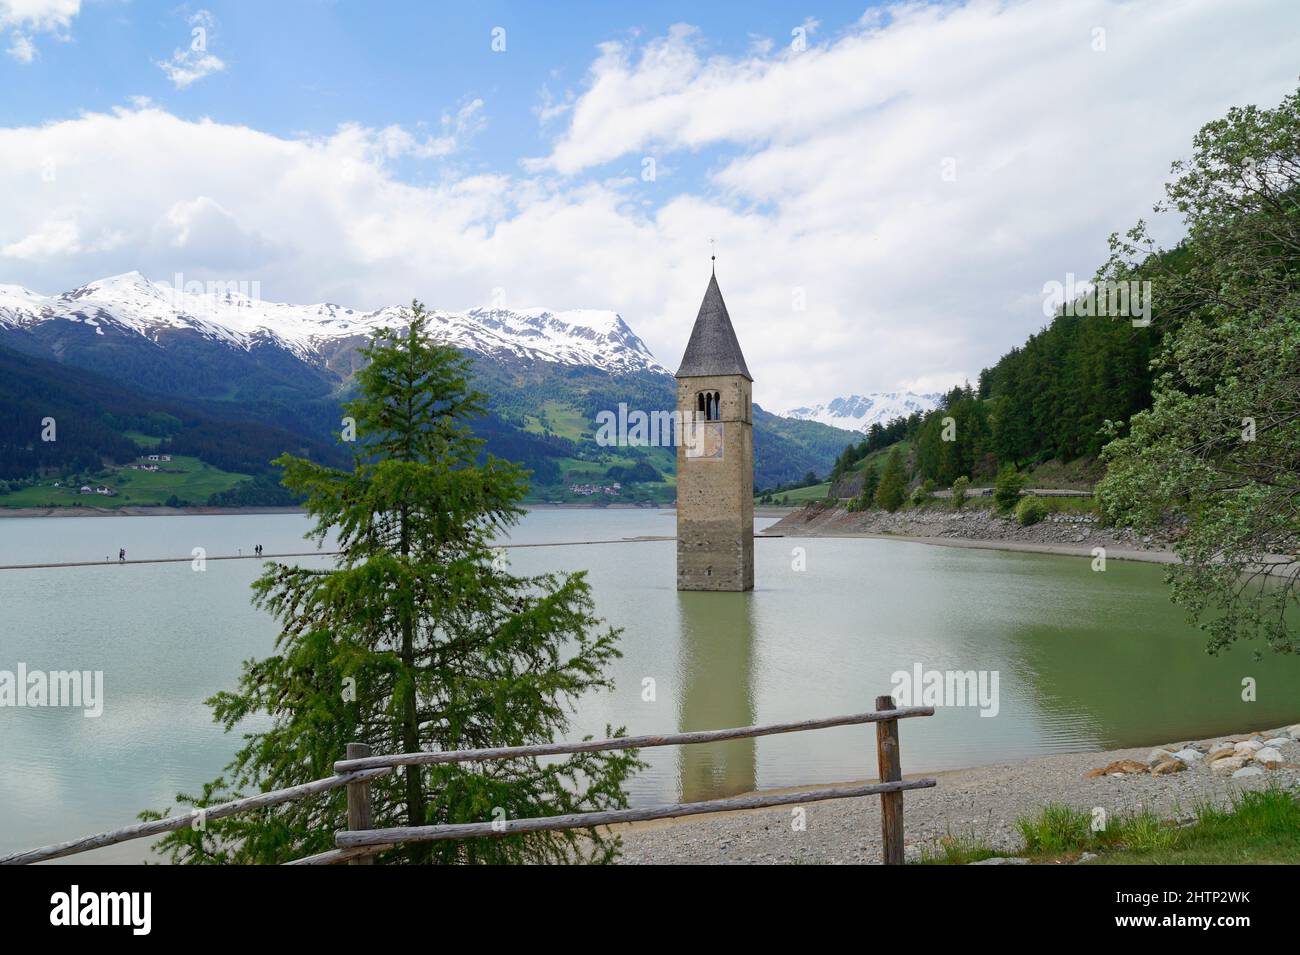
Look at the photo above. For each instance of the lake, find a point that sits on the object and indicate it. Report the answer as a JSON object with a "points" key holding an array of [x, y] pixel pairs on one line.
{"points": [[1085, 660]]}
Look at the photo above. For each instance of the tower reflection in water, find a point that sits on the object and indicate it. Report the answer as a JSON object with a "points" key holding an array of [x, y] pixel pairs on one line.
{"points": [[715, 673]]}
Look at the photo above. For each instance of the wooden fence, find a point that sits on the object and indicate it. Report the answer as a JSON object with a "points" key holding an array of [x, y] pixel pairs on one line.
{"points": [[359, 843]]}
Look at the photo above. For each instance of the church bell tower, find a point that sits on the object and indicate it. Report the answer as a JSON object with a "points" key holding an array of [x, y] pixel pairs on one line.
{"points": [[715, 456]]}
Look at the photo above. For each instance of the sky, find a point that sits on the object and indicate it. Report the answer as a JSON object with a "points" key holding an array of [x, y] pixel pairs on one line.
{"points": [[888, 187]]}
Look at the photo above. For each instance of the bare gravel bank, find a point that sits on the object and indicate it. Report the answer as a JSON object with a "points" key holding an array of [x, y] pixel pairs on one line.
{"points": [[983, 802], [975, 526]]}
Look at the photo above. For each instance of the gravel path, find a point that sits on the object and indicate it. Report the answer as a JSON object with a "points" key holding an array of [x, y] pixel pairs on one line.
{"points": [[984, 802]]}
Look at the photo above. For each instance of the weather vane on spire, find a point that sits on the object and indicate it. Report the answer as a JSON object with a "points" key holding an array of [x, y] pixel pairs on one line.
{"points": [[713, 255]]}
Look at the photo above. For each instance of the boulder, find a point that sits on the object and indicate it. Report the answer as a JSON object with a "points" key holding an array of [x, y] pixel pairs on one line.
{"points": [[1227, 765], [1189, 755], [1268, 757], [1169, 766], [1119, 767], [1248, 746], [1157, 756], [1220, 750], [1293, 731], [1278, 741], [1126, 766], [1247, 771]]}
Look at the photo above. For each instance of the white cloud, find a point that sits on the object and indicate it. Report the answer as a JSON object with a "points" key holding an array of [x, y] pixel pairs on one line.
{"points": [[550, 107], [51, 238], [24, 17], [208, 234], [21, 48], [837, 154], [395, 141], [186, 67], [824, 178], [38, 14]]}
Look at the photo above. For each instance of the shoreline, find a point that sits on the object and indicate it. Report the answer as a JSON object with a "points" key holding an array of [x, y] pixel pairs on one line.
{"points": [[160, 510], [980, 528], [983, 802], [1025, 547]]}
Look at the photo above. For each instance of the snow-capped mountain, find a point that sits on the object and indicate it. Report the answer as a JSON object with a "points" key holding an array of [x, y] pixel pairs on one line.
{"points": [[860, 412], [131, 304]]}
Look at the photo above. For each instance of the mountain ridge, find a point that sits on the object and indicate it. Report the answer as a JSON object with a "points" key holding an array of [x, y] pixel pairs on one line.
{"points": [[857, 413], [226, 313], [233, 357]]}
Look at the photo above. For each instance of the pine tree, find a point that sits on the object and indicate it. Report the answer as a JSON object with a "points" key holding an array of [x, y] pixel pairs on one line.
{"points": [[419, 638], [870, 482], [893, 483]]}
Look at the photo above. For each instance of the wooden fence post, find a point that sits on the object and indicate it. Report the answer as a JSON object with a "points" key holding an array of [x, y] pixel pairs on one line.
{"points": [[359, 800], [891, 770]]}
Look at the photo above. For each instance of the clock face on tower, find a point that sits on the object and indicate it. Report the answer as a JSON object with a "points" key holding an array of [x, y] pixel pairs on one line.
{"points": [[704, 441]]}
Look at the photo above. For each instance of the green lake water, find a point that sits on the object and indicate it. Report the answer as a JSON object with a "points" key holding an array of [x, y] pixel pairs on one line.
{"points": [[1085, 660]]}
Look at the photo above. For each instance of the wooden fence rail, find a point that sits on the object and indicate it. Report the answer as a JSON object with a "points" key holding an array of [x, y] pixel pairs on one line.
{"points": [[157, 827], [359, 843]]}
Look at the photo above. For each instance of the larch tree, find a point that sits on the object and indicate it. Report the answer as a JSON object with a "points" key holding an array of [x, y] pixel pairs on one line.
{"points": [[419, 637]]}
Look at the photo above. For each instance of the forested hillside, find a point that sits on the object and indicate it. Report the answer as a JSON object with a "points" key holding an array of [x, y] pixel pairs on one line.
{"points": [[1046, 400], [94, 422], [540, 415]]}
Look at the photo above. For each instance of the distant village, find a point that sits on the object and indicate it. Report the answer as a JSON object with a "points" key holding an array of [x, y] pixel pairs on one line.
{"points": [[587, 490], [148, 462]]}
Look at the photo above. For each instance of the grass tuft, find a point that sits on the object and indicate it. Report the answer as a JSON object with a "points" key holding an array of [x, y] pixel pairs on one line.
{"points": [[957, 849]]}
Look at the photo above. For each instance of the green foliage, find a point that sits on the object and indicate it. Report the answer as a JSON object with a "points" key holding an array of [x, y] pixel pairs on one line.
{"points": [[1051, 397], [922, 492], [1219, 450], [892, 490], [1145, 832], [155, 424], [786, 447], [960, 488], [1007, 488], [878, 438], [417, 639], [807, 482], [956, 849], [639, 473], [1258, 827], [1056, 829], [955, 439], [88, 410], [870, 484], [1030, 510], [261, 491]]}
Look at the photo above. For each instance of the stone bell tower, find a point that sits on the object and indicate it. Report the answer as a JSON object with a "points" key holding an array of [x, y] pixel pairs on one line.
{"points": [[715, 456]]}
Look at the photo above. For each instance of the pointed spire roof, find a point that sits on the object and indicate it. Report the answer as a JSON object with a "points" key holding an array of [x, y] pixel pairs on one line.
{"points": [[713, 349]]}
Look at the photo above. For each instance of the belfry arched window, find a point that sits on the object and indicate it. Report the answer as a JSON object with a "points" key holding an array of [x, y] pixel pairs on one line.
{"points": [[709, 405]]}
